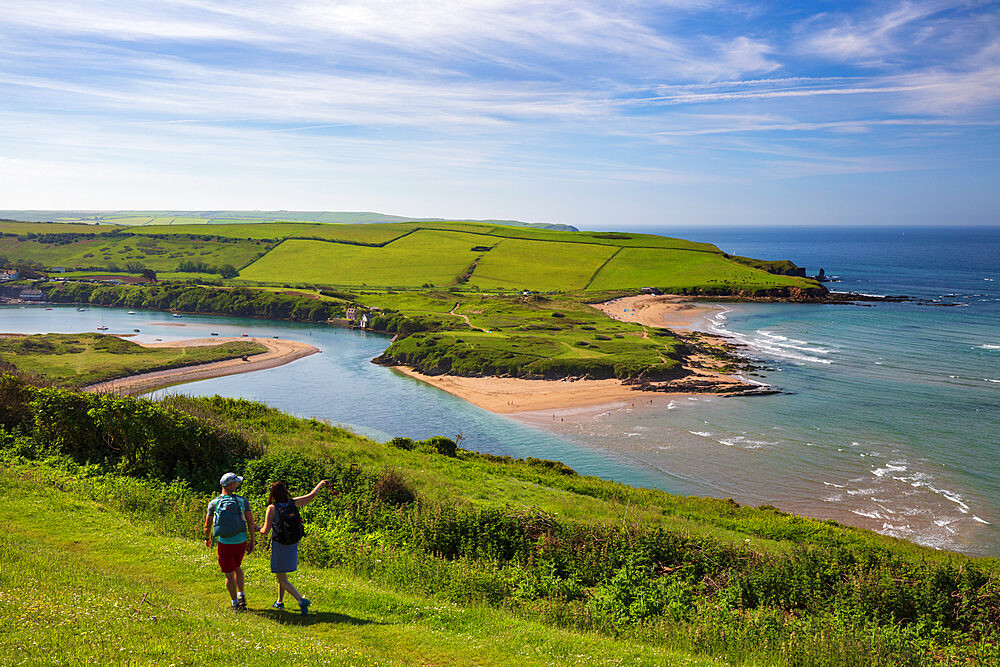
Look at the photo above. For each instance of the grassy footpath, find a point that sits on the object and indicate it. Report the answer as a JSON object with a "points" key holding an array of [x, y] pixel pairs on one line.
{"points": [[80, 585]]}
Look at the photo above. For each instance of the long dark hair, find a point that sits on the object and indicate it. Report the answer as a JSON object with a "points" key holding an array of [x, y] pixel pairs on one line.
{"points": [[279, 494]]}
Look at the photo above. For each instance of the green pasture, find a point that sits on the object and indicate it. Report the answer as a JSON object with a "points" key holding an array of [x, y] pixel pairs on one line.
{"points": [[157, 254], [437, 258], [21, 228], [677, 269], [88, 358], [237, 230], [617, 239], [539, 265]]}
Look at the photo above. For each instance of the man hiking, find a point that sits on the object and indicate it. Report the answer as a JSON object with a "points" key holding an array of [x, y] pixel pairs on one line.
{"points": [[230, 521]]}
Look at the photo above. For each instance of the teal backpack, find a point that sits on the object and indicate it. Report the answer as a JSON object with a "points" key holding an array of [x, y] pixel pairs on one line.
{"points": [[229, 521]]}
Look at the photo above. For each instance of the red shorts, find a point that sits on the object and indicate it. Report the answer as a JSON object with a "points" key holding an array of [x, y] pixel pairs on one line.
{"points": [[231, 556]]}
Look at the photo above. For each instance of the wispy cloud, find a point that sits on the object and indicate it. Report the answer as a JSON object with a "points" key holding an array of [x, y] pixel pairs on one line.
{"points": [[488, 92]]}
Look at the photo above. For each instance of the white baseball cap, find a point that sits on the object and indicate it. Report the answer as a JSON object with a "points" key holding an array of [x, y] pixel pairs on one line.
{"points": [[229, 478]]}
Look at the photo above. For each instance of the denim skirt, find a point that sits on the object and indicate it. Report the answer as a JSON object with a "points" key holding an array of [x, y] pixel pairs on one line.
{"points": [[284, 557]]}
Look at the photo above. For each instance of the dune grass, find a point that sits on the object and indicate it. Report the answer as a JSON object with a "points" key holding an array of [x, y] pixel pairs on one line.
{"points": [[88, 358]]}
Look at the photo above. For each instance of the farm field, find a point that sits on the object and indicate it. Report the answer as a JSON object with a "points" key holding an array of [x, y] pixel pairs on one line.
{"points": [[430, 257], [679, 270], [537, 265], [117, 251], [398, 254], [88, 358]]}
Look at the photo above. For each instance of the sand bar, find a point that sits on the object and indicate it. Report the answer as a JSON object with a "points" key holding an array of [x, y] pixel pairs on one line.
{"points": [[279, 352]]}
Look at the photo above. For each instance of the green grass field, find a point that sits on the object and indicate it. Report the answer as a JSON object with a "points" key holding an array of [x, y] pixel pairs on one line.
{"points": [[156, 254], [82, 585], [88, 358], [426, 257], [539, 265], [410, 254], [678, 270]]}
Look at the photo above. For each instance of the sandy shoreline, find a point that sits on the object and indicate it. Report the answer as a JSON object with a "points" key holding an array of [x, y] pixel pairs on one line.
{"points": [[513, 395], [657, 310], [279, 352], [517, 395]]}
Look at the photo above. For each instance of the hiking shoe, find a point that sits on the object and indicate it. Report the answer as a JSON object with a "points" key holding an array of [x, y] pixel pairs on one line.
{"points": [[241, 603], [278, 605], [304, 606], [235, 606]]}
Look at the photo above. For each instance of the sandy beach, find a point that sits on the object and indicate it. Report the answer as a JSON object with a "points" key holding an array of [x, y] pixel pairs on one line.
{"points": [[512, 395], [657, 310], [279, 352], [516, 395]]}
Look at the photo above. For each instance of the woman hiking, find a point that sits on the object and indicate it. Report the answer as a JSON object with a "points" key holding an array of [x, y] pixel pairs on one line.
{"points": [[283, 516]]}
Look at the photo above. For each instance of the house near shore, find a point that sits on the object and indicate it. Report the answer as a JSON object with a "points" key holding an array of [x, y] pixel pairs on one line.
{"points": [[351, 313], [8, 274], [31, 295], [648, 290], [366, 320]]}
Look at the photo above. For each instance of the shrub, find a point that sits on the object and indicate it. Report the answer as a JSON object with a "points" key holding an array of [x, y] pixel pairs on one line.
{"points": [[401, 443], [392, 489], [439, 444]]}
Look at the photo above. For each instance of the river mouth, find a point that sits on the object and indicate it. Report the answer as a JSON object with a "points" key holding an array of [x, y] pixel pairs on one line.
{"points": [[797, 451]]}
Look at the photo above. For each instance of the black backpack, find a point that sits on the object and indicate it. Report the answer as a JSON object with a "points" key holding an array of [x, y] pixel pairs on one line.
{"points": [[288, 527]]}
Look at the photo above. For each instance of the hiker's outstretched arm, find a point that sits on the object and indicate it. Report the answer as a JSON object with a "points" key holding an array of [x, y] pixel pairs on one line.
{"points": [[302, 500]]}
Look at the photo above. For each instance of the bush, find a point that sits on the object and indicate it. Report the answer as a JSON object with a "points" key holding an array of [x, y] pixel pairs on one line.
{"points": [[392, 489], [401, 443], [439, 444]]}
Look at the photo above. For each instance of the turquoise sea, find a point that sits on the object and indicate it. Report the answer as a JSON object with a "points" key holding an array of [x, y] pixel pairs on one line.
{"points": [[891, 418]]}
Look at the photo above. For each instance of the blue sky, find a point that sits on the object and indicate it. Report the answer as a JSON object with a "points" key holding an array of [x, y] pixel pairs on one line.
{"points": [[597, 114]]}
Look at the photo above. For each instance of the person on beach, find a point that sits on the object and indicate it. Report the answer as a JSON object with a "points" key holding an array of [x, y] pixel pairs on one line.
{"points": [[230, 521], [283, 516]]}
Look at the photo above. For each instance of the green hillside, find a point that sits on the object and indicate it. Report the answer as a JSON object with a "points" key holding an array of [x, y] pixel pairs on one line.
{"points": [[433, 554], [404, 254]]}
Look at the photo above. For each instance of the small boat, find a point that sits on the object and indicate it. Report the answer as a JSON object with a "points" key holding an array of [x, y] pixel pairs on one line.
{"points": [[214, 334], [245, 335], [48, 309], [102, 328], [81, 310], [177, 315], [135, 330], [131, 312]]}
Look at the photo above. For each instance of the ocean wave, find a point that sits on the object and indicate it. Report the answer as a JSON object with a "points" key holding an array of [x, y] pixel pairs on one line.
{"points": [[988, 347], [976, 518], [891, 466], [991, 380], [703, 434], [744, 443], [792, 343], [838, 486], [871, 515]]}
